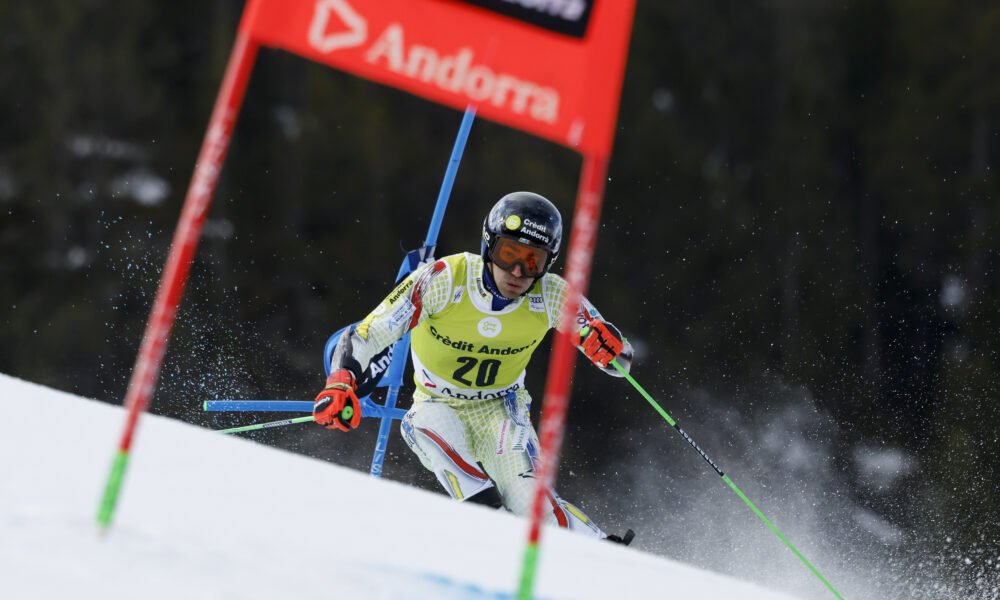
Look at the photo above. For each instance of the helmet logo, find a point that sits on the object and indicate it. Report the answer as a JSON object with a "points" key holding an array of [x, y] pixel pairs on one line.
{"points": [[513, 222], [537, 231], [490, 327]]}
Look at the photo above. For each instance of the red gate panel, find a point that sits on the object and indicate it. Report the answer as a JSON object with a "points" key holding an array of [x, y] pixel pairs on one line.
{"points": [[549, 83]]}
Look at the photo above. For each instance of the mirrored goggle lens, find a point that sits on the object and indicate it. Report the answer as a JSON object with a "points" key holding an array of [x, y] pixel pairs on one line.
{"points": [[507, 253]]}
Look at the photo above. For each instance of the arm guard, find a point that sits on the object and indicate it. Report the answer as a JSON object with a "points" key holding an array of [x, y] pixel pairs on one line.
{"points": [[423, 293]]}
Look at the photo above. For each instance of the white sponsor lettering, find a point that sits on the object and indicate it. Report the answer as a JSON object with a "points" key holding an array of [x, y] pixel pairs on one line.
{"points": [[381, 365], [538, 236], [328, 42], [456, 72], [536, 230], [459, 74]]}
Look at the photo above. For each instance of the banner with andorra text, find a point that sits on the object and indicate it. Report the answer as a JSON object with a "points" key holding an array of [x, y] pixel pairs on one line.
{"points": [[552, 68]]}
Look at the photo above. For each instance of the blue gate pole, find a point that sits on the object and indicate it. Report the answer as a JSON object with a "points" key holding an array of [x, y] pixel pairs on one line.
{"points": [[402, 352]]}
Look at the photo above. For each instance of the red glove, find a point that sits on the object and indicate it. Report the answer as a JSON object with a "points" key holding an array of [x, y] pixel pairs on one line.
{"points": [[601, 342], [337, 406]]}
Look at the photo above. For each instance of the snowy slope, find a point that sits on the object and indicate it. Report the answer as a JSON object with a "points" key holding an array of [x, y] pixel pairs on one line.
{"points": [[207, 516]]}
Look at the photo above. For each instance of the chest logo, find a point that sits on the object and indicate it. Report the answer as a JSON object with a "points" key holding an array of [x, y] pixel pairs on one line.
{"points": [[490, 327]]}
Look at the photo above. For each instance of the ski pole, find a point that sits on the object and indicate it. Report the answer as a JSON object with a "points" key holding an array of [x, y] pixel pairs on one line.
{"points": [[257, 406], [369, 409], [725, 478], [399, 361], [267, 425]]}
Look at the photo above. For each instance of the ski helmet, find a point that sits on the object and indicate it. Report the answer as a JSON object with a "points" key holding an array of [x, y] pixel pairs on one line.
{"points": [[526, 218]]}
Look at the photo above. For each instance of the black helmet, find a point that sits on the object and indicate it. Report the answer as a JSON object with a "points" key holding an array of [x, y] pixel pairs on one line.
{"points": [[527, 218]]}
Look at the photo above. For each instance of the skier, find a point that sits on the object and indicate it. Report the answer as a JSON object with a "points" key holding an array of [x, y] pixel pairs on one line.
{"points": [[475, 322]]}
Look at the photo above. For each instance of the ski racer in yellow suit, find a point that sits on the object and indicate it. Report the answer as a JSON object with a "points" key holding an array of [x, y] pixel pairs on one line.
{"points": [[475, 320]]}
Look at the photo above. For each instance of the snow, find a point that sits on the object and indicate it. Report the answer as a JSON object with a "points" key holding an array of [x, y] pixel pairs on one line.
{"points": [[208, 516], [883, 467]]}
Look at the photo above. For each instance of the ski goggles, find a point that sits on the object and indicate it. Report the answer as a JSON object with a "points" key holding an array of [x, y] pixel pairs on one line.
{"points": [[508, 253]]}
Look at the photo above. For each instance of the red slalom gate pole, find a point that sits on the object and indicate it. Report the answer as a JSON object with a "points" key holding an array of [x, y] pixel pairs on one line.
{"points": [[562, 361], [185, 242]]}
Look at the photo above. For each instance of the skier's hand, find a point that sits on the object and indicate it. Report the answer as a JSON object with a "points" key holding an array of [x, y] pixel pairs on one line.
{"points": [[337, 406], [601, 342]]}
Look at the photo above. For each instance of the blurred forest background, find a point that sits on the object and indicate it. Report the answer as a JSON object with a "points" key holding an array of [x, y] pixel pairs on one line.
{"points": [[799, 235]]}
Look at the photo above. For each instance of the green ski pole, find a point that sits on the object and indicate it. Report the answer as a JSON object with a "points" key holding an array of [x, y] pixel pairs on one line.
{"points": [[267, 425], [725, 478]]}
